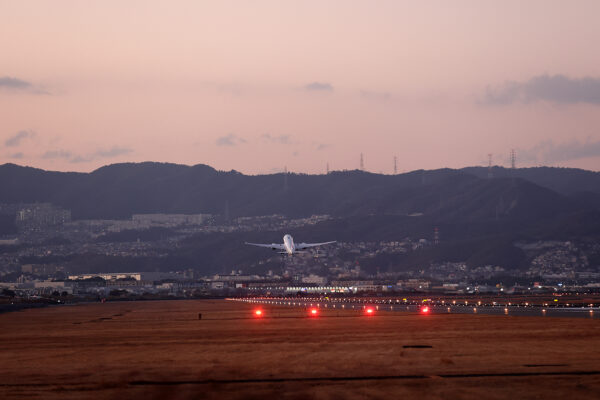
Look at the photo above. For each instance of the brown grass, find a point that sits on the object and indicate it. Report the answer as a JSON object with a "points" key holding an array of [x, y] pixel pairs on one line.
{"points": [[155, 350]]}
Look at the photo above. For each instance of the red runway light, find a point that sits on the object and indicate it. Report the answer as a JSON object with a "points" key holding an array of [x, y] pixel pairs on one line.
{"points": [[369, 311], [258, 313], [313, 312], [425, 309]]}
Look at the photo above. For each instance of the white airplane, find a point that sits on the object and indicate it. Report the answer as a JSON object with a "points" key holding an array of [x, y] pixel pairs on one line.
{"points": [[288, 246]]}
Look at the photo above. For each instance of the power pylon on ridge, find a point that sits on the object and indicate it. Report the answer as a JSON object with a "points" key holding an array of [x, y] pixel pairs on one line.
{"points": [[362, 162], [490, 166], [513, 159], [395, 165]]}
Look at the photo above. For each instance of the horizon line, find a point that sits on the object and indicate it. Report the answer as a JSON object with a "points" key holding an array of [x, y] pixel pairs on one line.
{"points": [[285, 171]]}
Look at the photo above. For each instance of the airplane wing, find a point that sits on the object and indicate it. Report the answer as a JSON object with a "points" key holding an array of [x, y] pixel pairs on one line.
{"points": [[274, 246], [302, 246]]}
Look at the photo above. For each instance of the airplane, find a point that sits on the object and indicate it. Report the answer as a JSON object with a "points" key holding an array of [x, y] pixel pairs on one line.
{"points": [[288, 246]]}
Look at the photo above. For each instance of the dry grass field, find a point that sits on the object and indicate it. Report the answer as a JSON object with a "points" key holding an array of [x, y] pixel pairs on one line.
{"points": [[156, 350]]}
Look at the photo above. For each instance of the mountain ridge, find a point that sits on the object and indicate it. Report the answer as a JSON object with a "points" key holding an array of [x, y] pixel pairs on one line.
{"points": [[120, 190]]}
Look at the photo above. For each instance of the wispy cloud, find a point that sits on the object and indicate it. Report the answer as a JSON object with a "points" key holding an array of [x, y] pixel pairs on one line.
{"points": [[16, 156], [559, 89], [54, 154], [230, 140], [7, 82], [319, 87], [281, 139], [378, 96], [274, 170], [80, 159], [18, 137], [114, 151], [322, 146], [547, 152]]}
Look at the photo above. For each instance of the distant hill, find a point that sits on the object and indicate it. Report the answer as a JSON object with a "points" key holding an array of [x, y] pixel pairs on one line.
{"points": [[120, 190], [566, 181]]}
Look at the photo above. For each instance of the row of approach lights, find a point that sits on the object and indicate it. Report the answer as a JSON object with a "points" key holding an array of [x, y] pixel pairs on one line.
{"points": [[416, 302], [314, 312], [424, 309], [442, 302]]}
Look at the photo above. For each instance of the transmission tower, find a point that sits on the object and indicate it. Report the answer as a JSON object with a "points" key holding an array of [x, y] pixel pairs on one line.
{"points": [[513, 159], [395, 165], [490, 166], [362, 162]]}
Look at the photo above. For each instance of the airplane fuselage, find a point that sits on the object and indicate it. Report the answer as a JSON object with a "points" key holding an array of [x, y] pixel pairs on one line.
{"points": [[288, 243]]}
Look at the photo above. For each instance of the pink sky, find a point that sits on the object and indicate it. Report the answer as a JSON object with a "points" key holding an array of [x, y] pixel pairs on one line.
{"points": [[256, 86]]}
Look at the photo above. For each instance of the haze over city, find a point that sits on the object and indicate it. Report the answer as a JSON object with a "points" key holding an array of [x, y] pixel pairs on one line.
{"points": [[256, 86]]}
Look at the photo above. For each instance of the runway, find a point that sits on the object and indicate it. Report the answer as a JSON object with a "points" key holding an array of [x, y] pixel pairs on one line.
{"points": [[436, 307]]}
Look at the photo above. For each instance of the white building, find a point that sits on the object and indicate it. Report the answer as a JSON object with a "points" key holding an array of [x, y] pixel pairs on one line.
{"points": [[315, 280], [138, 276]]}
